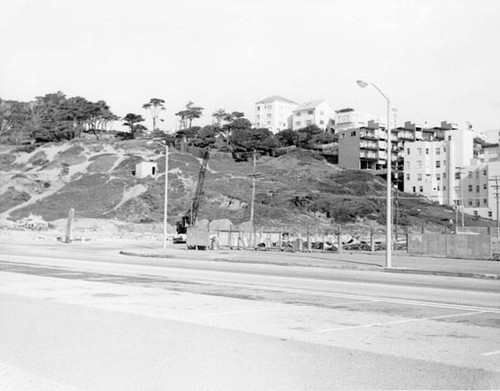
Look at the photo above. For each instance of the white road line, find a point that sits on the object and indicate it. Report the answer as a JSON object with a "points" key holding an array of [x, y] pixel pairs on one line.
{"points": [[398, 322], [271, 309], [491, 353], [245, 311]]}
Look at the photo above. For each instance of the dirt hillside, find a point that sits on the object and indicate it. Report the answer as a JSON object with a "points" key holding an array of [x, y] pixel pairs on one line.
{"points": [[97, 180]]}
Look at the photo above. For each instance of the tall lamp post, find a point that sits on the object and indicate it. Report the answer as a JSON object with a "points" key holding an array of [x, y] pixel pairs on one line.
{"points": [[388, 229], [165, 196]]}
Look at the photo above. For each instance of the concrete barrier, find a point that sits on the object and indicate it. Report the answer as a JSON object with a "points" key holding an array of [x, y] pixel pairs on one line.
{"points": [[465, 246]]}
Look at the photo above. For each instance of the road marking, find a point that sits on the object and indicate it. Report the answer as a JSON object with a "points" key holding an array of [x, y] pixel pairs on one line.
{"points": [[398, 322], [271, 309], [491, 353], [245, 311]]}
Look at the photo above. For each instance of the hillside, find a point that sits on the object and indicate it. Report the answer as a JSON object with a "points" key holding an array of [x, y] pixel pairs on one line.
{"points": [[294, 190]]}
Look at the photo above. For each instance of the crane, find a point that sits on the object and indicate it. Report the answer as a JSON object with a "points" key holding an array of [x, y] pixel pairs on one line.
{"points": [[189, 219]]}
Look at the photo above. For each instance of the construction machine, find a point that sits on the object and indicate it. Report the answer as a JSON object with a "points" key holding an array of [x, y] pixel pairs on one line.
{"points": [[189, 219]]}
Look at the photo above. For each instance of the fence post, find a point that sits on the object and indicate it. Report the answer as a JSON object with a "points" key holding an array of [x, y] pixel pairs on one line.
{"points": [[339, 241], [372, 239], [230, 238], [69, 226]]}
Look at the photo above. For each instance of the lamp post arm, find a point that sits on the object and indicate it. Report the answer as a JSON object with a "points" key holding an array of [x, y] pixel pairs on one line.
{"points": [[381, 93]]}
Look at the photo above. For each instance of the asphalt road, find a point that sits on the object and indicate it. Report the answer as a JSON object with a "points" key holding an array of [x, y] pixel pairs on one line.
{"points": [[95, 320]]}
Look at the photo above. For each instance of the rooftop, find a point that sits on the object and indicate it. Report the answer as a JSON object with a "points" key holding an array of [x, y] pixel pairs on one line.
{"points": [[276, 98], [309, 105]]}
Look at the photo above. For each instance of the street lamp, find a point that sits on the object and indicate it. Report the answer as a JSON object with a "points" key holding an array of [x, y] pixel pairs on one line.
{"points": [[165, 199], [388, 228]]}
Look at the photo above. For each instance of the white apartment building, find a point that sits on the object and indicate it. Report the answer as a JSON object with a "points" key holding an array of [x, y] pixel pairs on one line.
{"points": [[345, 119], [432, 168], [316, 112], [274, 113]]}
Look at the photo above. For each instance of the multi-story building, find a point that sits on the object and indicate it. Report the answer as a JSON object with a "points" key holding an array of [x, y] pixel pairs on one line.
{"points": [[364, 148], [274, 113], [316, 112], [345, 119], [433, 167]]}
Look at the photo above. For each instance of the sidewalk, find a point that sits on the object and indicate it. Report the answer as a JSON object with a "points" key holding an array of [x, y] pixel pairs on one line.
{"points": [[401, 261]]}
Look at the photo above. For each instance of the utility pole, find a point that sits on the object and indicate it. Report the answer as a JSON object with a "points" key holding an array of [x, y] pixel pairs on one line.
{"points": [[496, 186], [165, 198], [460, 169], [253, 193]]}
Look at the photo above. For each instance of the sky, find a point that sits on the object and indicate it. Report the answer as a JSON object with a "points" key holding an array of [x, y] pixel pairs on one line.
{"points": [[436, 60]]}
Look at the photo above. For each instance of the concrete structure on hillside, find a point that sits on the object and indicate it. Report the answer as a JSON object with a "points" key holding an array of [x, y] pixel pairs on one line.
{"points": [[316, 112], [274, 113], [145, 169], [350, 119]]}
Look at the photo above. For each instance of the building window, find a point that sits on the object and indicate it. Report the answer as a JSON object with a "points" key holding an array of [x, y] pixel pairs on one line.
{"points": [[269, 116], [408, 164], [485, 201], [470, 203], [457, 175], [407, 177], [308, 122], [421, 189], [353, 133], [419, 151], [475, 212], [478, 203], [438, 164], [438, 177], [470, 174], [408, 151], [485, 186], [419, 163], [477, 189], [444, 163], [444, 187], [444, 175], [310, 112], [484, 172], [414, 189], [426, 151], [419, 177], [490, 214], [470, 188], [438, 151]]}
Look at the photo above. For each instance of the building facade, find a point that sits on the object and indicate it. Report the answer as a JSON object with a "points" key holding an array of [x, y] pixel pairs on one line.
{"points": [[316, 112], [274, 113], [434, 167], [365, 148], [349, 119]]}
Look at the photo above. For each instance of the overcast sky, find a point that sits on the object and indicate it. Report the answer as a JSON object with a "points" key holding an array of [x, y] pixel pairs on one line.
{"points": [[435, 59]]}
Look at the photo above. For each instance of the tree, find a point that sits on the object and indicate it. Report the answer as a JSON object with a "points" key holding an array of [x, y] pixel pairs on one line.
{"points": [[206, 136], [15, 121], [133, 121], [287, 137], [248, 140], [220, 117], [155, 105], [306, 135], [191, 112], [52, 118]]}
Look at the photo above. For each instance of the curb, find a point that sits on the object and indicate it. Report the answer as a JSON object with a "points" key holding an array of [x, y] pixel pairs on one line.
{"points": [[442, 273], [344, 267]]}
